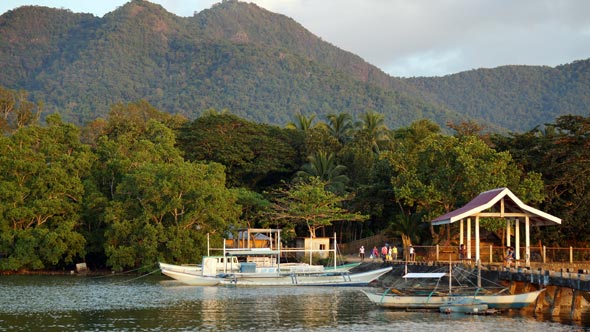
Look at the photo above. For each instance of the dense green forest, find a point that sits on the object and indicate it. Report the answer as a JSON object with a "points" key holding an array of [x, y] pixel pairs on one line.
{"points": [[262, 66], [141, 185]]}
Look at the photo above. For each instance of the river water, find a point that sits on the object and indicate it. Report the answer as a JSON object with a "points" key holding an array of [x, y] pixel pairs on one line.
{"points": [[154, 303]]}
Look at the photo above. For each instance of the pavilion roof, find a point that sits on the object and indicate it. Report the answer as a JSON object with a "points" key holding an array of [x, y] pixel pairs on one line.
{"points": [[498, 203]]}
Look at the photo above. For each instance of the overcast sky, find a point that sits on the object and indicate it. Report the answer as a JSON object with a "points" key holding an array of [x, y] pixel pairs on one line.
{"points": [[417, 37]]}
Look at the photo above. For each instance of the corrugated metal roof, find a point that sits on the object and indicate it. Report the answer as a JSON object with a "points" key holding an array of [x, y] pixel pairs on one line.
{"points": [[492, 200]]}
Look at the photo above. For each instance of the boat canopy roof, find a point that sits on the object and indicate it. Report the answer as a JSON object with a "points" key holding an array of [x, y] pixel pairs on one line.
{"points": [[430, 275], [251, 251]]}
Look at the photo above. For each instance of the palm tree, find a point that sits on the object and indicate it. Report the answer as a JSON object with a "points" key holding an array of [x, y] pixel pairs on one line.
{"points": [[301, 122], [409, 228], [374, 124], [340, 126], [323, 166]]}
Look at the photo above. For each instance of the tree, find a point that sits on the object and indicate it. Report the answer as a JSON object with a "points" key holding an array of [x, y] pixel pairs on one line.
{"points": [[41, 193], [252, 153], [560, 152], [301, 122], [163, 211], [160, 206], [16, 111], [443, 172], [340, 126], [309, 203], [358, 156], [254, 206], [374, 125], [323, 166]]}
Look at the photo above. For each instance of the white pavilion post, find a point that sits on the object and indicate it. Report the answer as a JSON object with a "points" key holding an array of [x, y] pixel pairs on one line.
{"points": [[517, 238], [477, 256], [527, 233], [461, 231], [508, 232], [468, 238]]}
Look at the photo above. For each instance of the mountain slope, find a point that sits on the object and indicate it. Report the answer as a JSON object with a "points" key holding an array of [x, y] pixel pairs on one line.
{"points": [[260, 65], [257, 64], [515, 97]]}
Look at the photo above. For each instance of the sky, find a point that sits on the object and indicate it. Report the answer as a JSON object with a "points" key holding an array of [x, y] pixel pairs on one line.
{"points": [[407, 38]]}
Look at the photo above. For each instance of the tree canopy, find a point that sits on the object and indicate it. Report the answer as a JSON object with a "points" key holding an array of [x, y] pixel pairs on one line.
{"points": [[142, 186]]}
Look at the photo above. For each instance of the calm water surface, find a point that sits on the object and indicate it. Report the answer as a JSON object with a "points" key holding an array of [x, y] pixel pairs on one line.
{"points": [[71, 303]]}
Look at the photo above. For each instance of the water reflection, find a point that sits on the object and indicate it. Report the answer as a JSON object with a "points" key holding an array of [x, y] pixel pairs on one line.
{"points": [[153, 304]]}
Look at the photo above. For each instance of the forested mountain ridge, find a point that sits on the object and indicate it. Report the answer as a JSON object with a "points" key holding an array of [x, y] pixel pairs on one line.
{"points": [[516, 97], [259, 65], [215, 59]]}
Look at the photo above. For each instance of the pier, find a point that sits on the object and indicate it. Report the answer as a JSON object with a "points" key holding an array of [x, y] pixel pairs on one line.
{"points": [[567, 290]]}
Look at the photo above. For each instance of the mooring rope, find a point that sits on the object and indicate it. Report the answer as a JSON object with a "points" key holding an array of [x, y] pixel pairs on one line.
{"points": [[136, 278], [122, 273]]}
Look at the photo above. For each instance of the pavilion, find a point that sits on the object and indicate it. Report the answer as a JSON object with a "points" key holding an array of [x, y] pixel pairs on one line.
{"points": [[498, 203]]}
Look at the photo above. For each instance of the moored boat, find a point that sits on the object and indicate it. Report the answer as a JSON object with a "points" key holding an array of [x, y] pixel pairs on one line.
{"points": [[254, 258], [434, 299], [394, 300], [191, 278], [304, 279]]}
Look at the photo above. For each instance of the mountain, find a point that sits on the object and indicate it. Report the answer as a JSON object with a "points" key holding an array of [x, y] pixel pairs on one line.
{"points": [[259, 65], [514, 97]]}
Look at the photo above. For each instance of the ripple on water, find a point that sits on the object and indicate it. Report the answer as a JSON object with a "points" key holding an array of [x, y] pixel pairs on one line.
{"points": [[31, 303]]}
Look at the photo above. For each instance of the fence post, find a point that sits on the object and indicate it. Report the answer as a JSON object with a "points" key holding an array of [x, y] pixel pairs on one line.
{"points": [[491, 254], [437, 252], [571, 255], [544, 253]]}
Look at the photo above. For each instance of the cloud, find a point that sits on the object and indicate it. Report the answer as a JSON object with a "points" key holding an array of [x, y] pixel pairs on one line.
{"points": [[426, 38]]}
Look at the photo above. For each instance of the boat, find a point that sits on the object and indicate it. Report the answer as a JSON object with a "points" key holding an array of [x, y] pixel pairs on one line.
{"points": [[304, 279], [394, 300], [204, 274], [434, 299], [229, 274], [221, 264], [253, 259], [189, 277], [307, 268]]}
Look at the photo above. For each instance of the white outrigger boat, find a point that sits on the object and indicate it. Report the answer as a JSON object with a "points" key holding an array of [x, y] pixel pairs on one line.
{"points": [[192, 278], [304, 279], [262, 267], [435, 300], [229, 274], [203, 274]]}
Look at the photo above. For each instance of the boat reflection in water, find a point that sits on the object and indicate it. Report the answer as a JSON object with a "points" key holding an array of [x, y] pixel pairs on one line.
{"points": [[156, 303]]}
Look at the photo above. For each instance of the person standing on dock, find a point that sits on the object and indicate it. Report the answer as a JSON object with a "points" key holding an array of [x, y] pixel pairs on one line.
{"points": [[384, 251], [462, 252], [509, 257], [362, 253], [375, 253]]}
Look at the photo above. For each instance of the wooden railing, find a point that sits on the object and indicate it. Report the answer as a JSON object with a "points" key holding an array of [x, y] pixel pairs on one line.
{"points": [[489, 254]]}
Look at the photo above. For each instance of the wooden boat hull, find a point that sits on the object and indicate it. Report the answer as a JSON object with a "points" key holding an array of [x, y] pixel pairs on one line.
{"points": [[395, 301]]}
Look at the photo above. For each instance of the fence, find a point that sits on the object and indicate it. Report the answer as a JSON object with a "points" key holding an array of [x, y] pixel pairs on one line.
{"points": [[496, 254], [352, 247]]}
